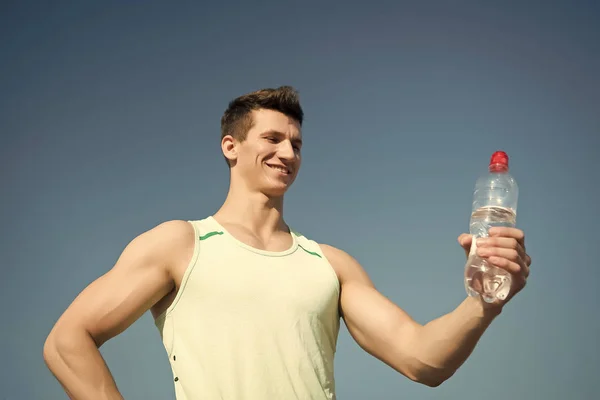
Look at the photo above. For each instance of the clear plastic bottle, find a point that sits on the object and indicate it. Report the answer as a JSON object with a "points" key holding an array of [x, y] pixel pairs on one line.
{"points": [[494, 204]]}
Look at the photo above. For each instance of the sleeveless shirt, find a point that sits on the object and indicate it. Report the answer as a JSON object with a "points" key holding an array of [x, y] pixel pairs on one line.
{"points": [[249, 324]]}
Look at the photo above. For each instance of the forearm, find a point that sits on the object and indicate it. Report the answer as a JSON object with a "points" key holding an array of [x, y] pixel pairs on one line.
{"points": [[76, 362], [444, 344]]}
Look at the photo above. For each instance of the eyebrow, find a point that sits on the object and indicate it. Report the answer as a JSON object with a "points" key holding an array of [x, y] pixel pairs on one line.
{"points": [[278, 133]]}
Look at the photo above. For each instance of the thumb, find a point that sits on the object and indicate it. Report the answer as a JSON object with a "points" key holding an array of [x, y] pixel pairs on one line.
{"points": [[465, 241]]}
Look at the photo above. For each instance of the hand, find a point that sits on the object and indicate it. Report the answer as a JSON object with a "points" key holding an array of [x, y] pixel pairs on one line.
{"points": [[504, 248]]}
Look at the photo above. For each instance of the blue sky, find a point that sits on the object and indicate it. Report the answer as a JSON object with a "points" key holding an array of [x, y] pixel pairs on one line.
{"points": [[109, 123]]}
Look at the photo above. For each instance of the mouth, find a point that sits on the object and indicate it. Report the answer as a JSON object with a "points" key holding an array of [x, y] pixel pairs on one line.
{"points": [[280, 168]]}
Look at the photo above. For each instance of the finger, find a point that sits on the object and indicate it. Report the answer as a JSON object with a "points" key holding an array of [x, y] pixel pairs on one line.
{"points": [[509, 254], [503, 242], [517, 262], [511, 267], [509, 232], [465, 239]]}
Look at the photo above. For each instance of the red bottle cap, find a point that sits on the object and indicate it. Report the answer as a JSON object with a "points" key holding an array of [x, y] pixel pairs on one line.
{"points": [[499, 162]]}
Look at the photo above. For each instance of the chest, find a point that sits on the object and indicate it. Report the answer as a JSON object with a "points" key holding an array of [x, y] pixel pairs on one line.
{"points": [[242, 282]]}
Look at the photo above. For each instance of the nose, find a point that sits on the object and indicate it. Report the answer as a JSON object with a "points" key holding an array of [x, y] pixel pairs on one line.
{"points": [[286, 150]]}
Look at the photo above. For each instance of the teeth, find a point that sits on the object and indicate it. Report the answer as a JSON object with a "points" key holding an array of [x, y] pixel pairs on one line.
{"points": [[284, 170]]}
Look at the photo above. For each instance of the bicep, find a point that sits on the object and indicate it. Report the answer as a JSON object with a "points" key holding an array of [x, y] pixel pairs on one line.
{"points": [[111, 303], [378, 325], [114, 301]]}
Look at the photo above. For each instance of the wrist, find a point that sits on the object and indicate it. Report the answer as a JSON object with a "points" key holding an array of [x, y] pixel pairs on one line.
{"points": [[482, 309]]}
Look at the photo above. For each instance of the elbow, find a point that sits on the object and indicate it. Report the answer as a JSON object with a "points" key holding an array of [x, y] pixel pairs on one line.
{"points": [[431, 376], [53, 347], [50, 351], [60, 342], [433, 383]]}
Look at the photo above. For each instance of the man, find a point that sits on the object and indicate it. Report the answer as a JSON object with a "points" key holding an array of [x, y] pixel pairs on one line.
{"points": [[250, 309]]}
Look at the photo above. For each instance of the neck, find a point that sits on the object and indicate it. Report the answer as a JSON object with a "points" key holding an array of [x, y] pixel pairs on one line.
{"points": [[253, 210]]}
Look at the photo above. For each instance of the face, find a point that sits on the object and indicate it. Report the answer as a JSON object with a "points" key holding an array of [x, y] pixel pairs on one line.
{"points": [[269, 159]]}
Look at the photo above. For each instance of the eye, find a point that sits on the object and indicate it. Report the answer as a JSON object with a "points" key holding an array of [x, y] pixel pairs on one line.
{"points": [[271, 139]]}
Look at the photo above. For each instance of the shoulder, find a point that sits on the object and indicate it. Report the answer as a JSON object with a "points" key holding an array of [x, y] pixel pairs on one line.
{"points": [[167, 233], [346, 266], [163, 242], [335, 255]]}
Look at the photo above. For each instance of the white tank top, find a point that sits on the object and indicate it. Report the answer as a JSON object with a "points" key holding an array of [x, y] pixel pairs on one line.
{"points": [[249, 324]]}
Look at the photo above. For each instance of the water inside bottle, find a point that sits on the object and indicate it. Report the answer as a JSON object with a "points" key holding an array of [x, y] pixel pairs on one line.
{"points": [[485, 217]]}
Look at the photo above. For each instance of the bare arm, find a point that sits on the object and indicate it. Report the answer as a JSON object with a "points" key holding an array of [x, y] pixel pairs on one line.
{"points": [[110, 304], [430, 353]]}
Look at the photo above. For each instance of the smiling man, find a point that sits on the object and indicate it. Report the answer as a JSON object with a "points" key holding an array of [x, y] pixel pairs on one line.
{"points": [[250, 309]]}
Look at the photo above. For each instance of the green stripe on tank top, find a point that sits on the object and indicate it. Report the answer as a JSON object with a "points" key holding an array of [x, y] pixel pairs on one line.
{"points": [[209, 234], [310, 252]]}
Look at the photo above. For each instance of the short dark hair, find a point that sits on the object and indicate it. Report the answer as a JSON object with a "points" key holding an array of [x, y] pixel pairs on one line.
{"points": [[237, 119]]}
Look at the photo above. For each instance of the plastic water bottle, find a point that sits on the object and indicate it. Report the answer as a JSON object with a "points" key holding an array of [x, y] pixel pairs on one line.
{"points": [[494, 204]]}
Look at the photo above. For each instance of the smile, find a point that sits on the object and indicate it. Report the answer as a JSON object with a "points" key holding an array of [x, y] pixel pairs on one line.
{"points": [[280, 168]]}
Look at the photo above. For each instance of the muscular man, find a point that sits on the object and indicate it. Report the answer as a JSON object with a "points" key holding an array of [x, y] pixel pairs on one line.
{"points": [[247, 307]]}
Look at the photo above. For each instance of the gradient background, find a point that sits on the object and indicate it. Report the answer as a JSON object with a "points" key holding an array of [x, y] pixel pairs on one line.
{"points": [[109, 121]]}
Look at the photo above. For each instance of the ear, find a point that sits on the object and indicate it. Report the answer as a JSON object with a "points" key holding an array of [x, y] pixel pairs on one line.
{"points": [[229, 146]]}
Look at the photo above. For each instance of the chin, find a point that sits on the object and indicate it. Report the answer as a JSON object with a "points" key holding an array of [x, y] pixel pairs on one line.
{"points": [[276, 190]]}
